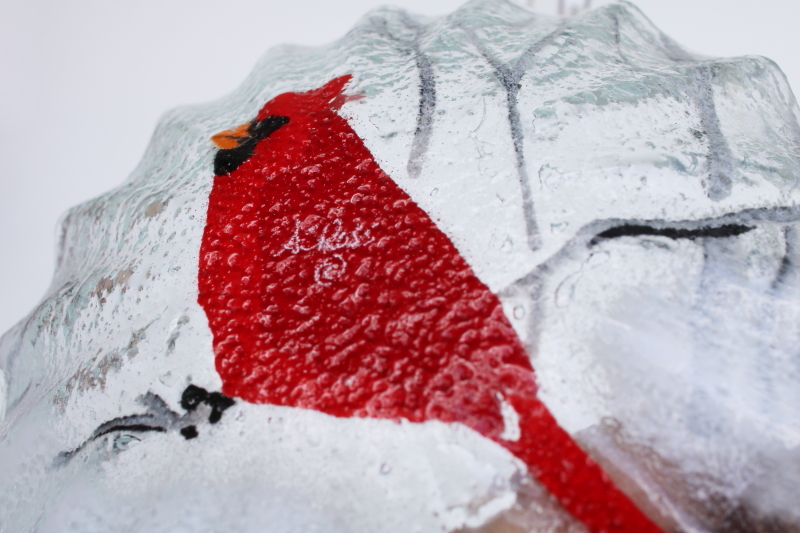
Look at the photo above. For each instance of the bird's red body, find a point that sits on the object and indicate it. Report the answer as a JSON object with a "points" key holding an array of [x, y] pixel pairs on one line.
{"points": [[326, 287]]}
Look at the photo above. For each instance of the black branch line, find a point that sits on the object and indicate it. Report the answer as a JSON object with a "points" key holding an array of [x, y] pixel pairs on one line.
{"points": [[427, 89], [531, 285], [644, 230], [160, 418], [510, 77]]}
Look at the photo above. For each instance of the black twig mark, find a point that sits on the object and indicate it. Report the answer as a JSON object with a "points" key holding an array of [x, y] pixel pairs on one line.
{"points": [[189, 432], [194, 396]]}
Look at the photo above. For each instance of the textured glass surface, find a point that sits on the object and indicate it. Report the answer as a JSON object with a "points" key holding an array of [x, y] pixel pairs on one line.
{"points": [[611, 210]]}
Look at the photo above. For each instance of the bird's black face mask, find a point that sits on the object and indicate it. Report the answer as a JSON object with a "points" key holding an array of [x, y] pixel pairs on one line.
{"points": [[239, 144]]}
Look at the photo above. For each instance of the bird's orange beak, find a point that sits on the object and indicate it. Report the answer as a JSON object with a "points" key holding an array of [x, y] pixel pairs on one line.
{"points": [[230, 138]]}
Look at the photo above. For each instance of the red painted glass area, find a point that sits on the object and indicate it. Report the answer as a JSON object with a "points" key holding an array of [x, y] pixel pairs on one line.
{"points": [[326, 287]]}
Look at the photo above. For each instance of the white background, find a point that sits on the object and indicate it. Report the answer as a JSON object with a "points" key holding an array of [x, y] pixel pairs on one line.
{"points": [[82, 85]]}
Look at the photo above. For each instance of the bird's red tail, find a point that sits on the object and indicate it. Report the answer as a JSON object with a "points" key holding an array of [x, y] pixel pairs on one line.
{"points": [[579, 484]]}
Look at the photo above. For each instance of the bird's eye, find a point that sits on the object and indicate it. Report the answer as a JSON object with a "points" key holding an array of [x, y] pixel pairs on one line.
{"points": [[123, 441]]}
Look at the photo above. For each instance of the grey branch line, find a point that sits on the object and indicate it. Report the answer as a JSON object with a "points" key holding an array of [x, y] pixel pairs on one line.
{"points": [[700, 91], [720, 159], [427, 91], [510, 78]]}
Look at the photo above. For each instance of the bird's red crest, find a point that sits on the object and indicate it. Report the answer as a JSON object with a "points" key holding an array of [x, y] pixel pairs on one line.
{"points": [[329, 97]]}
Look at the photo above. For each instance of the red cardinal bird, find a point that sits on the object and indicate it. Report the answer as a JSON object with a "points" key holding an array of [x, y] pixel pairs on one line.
{"points": [[326, 287]]}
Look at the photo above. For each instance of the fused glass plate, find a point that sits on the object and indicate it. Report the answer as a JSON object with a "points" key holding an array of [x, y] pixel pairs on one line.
{"points": [[494, 271]]}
